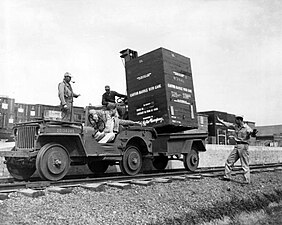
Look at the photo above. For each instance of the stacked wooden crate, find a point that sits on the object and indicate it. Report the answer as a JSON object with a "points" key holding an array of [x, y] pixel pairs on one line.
{"points": [[161, 92]]}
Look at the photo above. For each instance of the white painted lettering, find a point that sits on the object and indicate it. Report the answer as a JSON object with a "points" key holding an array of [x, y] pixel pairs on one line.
{"points": [[145, 90], [144, 76]]}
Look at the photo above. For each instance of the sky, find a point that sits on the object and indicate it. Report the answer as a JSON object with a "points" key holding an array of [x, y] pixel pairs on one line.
{"points": [[235, 49]]}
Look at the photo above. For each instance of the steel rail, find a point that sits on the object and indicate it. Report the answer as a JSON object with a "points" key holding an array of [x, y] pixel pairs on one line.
{"points": [[9, 186]]}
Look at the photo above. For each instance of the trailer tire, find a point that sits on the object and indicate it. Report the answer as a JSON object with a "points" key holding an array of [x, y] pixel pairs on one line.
{"points": [[160, 162], [98, 167], [191, 160]]}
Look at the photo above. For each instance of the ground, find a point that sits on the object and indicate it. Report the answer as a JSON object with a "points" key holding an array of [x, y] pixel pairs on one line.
{"points": [[203, 201]]}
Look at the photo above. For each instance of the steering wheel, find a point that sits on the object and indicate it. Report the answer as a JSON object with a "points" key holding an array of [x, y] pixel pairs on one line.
{"points": [[121, 101], [93, 122]]}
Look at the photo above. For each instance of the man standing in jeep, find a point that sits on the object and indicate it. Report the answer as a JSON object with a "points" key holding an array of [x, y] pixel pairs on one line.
{"points": [[66, 96]]}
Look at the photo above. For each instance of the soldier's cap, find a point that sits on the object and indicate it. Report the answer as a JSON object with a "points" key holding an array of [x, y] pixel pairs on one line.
{"points": [[239, 117], [107, 87], [67, 74]]}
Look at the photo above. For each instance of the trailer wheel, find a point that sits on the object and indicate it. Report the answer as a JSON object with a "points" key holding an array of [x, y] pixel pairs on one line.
{"points": [[52, 162], [160, 162], [20, 168], [191, 160], [131, 163], [98, 167]]}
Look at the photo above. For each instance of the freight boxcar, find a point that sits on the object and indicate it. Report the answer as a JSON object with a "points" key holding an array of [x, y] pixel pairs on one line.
{"points": [[79, 114], [219, 134], [21, 112], [7, 117]]}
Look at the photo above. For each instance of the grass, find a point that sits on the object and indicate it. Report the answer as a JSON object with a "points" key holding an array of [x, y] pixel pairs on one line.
{"points": [[239, 210]]}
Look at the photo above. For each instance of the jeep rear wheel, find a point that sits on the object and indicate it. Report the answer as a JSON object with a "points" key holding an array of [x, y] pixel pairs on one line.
{"points": [[131, 163]]}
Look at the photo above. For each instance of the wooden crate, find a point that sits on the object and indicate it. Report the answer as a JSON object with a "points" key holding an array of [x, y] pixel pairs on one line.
{"points": [[161, 92]]}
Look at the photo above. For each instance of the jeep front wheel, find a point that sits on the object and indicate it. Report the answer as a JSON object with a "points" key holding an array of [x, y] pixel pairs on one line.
{"points": [[52, 162]]}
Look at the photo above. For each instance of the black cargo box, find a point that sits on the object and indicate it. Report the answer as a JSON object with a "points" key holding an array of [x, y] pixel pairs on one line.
{"points": [[160, 91]]}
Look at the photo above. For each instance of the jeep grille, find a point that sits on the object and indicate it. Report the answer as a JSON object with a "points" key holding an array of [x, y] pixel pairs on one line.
{"points": [[25, 136]]}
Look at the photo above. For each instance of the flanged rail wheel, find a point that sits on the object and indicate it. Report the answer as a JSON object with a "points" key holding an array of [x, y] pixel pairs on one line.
{"points": [[160, 162], [131, 163], [52, 162], [20, 168], [191, 160], [98, 167]]}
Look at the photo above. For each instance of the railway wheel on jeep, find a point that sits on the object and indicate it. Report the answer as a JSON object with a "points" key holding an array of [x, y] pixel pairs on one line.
{"points": [[20, 168], [191, 160], [160, 162], [98, 167], [131, 163], [52, 162]]}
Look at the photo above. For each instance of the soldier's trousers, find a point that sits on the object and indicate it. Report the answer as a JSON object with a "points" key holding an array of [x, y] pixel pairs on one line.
{"points": [[66, 112], [240, 151]]}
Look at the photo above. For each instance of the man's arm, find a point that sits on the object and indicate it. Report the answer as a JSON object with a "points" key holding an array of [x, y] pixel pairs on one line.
{"points": [[104, 102], [61, 93], [249, 131], [75, 95], [120, 95], [227, 124]]}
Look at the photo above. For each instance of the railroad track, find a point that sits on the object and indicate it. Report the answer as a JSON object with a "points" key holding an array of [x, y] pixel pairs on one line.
{"points": [[10, 185]]}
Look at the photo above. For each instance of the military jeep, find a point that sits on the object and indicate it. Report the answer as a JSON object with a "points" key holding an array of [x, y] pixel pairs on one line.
{"points": [[51, 147]]}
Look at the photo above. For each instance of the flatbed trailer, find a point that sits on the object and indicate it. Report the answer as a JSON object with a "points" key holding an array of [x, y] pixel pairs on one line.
{"points": [[184, 146]]}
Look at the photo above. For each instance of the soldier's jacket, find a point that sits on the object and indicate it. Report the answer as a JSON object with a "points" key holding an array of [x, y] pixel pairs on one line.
{"points": [[242, 133], [65, 93]]}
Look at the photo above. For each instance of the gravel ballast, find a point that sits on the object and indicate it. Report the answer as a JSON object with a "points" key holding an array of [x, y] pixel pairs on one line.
{"points": [[179, 202]]}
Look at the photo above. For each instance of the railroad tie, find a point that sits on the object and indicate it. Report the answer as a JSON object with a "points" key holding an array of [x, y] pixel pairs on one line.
{"points": [[60, 190], [94, 187], [32, 193], [119, 185], [142, 182]]}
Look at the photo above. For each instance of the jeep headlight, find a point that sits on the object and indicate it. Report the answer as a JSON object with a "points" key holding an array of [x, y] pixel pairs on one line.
{"points": [[37, 131]]}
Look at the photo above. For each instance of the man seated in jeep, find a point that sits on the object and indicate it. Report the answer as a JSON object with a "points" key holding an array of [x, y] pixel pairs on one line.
{"points": [[106, 124], [98, 125]]}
